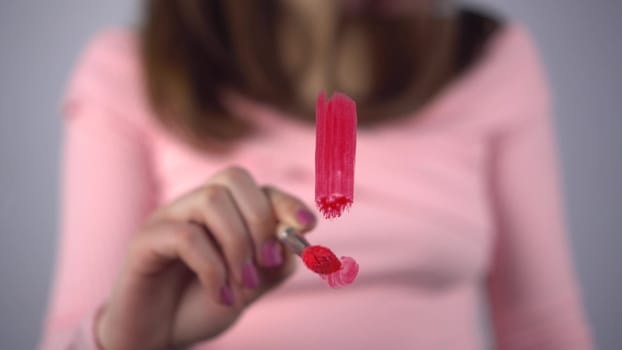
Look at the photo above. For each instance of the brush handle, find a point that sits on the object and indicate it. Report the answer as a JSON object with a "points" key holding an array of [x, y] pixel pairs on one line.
{"points": [[291, 239]]}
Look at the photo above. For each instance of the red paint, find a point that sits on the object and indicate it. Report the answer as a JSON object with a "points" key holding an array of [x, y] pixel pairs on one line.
{"points": [[345, 275], [320, 259], [335, 149]]}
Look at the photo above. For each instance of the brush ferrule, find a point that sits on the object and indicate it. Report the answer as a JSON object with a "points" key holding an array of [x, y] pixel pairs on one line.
{"points": [[291, 239]]}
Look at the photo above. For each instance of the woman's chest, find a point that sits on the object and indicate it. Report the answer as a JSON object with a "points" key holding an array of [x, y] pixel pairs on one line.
{"points": [[420, 215]]}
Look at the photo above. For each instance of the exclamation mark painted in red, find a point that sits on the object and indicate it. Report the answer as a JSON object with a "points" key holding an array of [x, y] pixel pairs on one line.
{"points": [[334, 154]]}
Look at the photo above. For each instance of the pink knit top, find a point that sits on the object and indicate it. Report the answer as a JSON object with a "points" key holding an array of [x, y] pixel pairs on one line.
{"points": [[458, 201]]}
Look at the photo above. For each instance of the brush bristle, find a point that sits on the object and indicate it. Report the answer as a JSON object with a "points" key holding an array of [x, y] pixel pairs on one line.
{"points": [[320, 259]]}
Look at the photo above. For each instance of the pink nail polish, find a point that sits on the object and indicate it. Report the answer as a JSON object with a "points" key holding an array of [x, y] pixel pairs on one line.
{"points": [[272, 254], [226, 295], [305, 217], [250, 277]]}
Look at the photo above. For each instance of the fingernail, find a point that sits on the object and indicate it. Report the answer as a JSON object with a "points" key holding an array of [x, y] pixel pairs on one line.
{"points": [[305, 217], [272, 254], [250, 277], [226, 295]]}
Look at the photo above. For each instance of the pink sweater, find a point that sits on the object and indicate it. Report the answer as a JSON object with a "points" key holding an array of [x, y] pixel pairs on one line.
{"points": [[463, 198]]}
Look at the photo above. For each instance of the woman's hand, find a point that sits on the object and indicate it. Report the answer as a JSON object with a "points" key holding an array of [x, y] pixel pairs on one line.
{"points": [[199, 262]]}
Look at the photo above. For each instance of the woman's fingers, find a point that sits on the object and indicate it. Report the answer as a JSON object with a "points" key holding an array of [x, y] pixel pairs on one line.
{"points": [[223, 219], [290, 210], [213, 207], [241, 220], [188, 242], [256, 211]]}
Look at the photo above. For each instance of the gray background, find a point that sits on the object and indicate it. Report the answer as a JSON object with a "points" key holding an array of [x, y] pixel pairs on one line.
{"points": [[39, 41]]}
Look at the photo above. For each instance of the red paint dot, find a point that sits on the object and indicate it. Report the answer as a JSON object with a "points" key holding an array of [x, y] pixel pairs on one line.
{"points": [[320, 259]]}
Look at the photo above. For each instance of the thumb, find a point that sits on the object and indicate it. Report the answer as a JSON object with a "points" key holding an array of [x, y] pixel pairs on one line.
{"points": [[290, 210]]}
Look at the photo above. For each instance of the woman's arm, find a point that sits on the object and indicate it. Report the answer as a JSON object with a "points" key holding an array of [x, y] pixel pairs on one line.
{"points": [[535, 302], [121, 255], [107, 191]]}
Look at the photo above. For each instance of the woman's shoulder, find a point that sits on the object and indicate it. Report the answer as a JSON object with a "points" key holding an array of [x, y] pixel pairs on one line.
{"points": [[514, 71], [484, 36], [475, 29], [108, 74], [112, 54], [503, 81], [114, 41]]}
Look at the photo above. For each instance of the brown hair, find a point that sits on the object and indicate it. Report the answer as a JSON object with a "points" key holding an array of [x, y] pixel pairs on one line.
{"points": [[194, 49]]}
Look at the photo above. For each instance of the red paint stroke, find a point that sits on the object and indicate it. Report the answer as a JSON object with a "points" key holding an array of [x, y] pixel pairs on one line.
{"points": [[335, 148], [345, 275], [320, 259]]}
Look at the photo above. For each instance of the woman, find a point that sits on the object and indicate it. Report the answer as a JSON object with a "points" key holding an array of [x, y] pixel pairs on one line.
{"points": [[189, 141]]}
